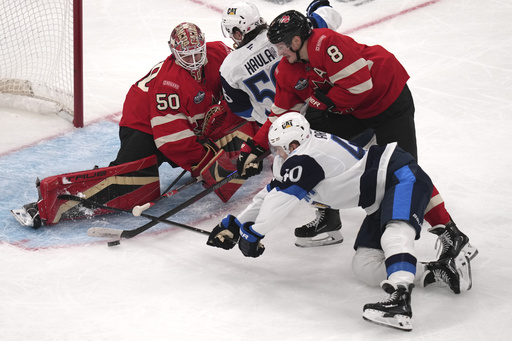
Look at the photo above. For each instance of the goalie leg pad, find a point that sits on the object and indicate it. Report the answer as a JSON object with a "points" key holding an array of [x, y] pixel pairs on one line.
{"points": [[123, 186], [217, 169]]}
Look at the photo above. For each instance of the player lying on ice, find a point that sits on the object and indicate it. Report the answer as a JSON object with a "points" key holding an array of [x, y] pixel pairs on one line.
{"points": [[324, 170], [174, 114]]}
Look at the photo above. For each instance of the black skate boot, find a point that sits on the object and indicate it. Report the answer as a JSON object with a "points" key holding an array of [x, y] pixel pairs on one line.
{"points": [[327, 221], [452, 241], [395, 312], [28, 215], [455, 273]]}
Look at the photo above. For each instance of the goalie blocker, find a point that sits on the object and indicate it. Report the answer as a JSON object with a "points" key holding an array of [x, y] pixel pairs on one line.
{"points": [[123, 186]]}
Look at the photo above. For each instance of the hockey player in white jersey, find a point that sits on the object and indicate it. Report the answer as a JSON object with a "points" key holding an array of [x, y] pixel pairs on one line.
{"points": [[248, 81], [324, 170]]}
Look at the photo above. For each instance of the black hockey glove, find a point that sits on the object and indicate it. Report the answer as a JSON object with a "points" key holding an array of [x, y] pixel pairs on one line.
{"points": [[245, 165], [319, 107], [249, 242], [225, 234]]}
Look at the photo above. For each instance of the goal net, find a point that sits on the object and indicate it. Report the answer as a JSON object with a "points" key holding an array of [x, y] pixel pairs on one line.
{"points": [[41, 57]]}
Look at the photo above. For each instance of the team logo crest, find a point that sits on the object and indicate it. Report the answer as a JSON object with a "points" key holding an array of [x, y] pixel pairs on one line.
{"points": [[301, 84], [199, 97], [285, 19]]}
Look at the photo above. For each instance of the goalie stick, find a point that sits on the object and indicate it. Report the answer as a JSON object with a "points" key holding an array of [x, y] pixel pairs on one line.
{"points": [[105, 232]]}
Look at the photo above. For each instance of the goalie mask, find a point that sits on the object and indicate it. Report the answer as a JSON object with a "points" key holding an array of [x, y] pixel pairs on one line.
{"points": [[189, 47], [241, 16], [288, 128]]}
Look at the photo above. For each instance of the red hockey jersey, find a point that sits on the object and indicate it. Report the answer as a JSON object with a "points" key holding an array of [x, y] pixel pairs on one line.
{"points": [[170, 104], [361, 80]]}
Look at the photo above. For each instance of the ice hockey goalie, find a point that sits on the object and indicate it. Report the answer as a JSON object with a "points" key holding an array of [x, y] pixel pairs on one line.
{"points": [[123, 186]]}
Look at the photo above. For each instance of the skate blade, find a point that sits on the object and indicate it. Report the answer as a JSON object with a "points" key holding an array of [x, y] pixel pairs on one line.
{"points": [[470, 251], [323, 239], [23, 217], [463, 266], [400, 322]]}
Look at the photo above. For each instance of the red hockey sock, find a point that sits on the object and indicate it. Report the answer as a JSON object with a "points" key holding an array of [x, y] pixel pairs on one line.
{"points": [[436, 213]]}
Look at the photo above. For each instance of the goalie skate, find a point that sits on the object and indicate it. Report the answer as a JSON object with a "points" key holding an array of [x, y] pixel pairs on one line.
{"points": [[28, 215], [323, 230]]}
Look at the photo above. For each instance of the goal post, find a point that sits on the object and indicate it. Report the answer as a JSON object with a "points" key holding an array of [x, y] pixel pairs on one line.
{"points": [[41, 57]]}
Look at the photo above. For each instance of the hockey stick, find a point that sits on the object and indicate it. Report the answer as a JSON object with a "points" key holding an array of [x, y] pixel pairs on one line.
{"points": [[137, 210], [104, 232], [91, 204], [175, 181]]}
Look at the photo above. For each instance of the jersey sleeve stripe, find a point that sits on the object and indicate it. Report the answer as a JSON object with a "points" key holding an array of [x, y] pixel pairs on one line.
{"points": [[349, 70]]}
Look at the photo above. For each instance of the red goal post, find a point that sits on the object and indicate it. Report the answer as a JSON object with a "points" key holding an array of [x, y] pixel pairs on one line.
{"points": [[41, 61]]}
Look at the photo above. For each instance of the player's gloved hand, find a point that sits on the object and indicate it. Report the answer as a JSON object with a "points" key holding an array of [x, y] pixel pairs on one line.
{"points": [[313, 6], [213, 121], [225, 234], [316, 4], [246, 164], [319, 106], [249, 242]]}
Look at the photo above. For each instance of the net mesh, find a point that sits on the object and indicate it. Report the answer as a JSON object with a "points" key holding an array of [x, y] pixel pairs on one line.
{"points": [[36, 55]]}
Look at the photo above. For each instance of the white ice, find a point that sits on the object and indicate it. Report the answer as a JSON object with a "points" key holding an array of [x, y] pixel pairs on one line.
{"points": [[168, 285]]}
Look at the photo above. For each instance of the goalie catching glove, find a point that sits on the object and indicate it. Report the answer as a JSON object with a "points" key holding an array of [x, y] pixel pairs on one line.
{"points": [[225, 235], [214, 167], [246, 164], [213, 122]]}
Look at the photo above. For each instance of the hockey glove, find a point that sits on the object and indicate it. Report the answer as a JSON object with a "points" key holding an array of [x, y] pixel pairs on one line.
{"points": [[249, 242], [316, 20], [213, 121], [225, 234], [246, 164], [319, 106]]}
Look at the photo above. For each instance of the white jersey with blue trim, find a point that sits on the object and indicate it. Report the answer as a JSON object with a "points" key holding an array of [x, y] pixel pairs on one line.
{"points": [[247, 73], [326, 171], [248, 80]]}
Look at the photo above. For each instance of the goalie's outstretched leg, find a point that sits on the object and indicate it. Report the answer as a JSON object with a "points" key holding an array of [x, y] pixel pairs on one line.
{"points": [[323, 230]]}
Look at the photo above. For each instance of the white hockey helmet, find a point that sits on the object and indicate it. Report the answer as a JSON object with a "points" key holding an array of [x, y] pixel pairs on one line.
{"points": [[188, 46], [287, 128], [241, 15]]}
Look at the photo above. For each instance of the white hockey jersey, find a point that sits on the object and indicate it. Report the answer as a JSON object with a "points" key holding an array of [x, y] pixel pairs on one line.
{"points": [[247, 73], [247, 76], [326, 171]]}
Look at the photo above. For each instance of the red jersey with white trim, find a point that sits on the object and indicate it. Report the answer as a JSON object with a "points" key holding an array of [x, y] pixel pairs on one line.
{"points": [[361, 80], [170, 104], [365, 80]]}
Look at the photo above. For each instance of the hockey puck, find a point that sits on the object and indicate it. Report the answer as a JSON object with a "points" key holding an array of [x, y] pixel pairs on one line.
{"points": [[114, 243]]}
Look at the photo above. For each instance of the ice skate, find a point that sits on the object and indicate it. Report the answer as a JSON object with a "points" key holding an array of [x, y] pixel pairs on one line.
{"points": [[454, 273], [323, 230], [28, 215], [452, 241], [395, 312]]}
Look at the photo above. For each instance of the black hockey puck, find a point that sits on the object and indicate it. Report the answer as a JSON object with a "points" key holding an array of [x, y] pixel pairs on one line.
{"points": [[114, 243]]}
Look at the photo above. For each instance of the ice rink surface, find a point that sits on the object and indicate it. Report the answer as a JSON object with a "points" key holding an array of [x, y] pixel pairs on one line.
{"points": [[58, 284]]}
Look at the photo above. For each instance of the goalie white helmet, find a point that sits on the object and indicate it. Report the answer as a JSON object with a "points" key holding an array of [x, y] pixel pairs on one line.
{"points": [[241, 16], [288, 128], [188, 46]]}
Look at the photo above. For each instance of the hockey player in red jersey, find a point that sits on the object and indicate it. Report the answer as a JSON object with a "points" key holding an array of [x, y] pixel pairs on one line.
{"points": [[174, 114], [176, 110], [352, 87]]}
